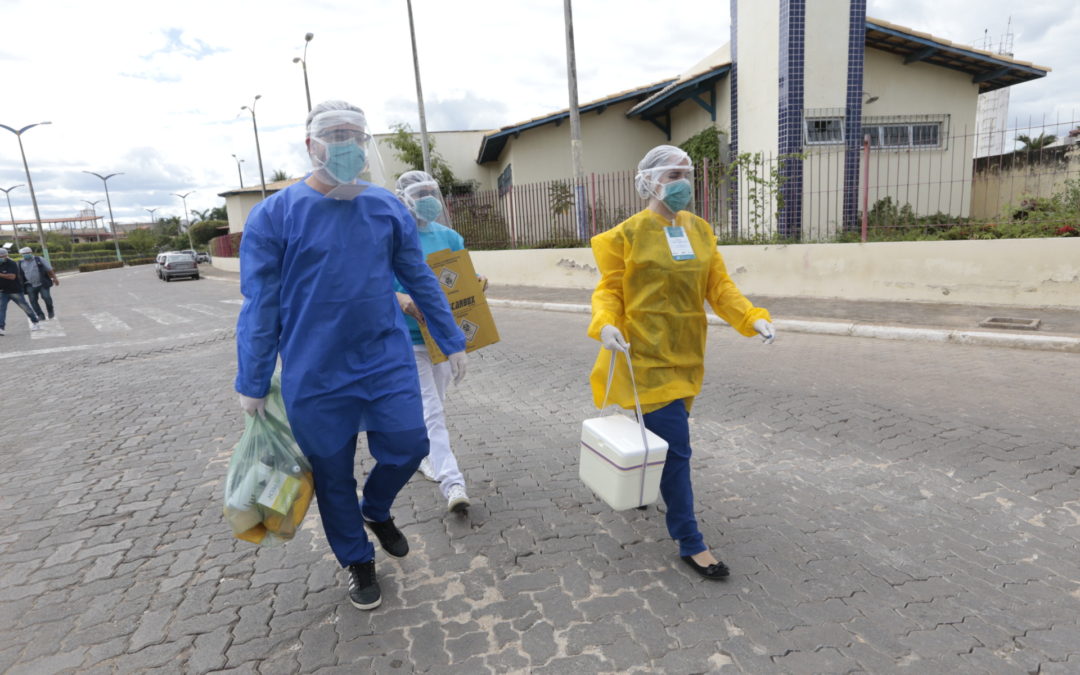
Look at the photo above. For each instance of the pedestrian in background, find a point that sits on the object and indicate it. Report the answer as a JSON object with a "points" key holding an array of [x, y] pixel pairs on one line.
{"points": [[39, 277], [658, 268], [317, 269], [420, 193], [11, 290]]}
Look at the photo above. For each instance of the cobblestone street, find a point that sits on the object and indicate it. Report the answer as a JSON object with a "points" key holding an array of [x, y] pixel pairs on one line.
{"points": [[884, 507]]}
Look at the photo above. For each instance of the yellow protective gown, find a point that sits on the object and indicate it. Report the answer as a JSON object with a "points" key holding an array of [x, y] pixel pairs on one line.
{"points": [[658, 303]]}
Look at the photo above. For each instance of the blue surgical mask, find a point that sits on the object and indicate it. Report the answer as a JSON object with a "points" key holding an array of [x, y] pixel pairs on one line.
{"points": [[345, 161], [677, 195], [428, 208]]}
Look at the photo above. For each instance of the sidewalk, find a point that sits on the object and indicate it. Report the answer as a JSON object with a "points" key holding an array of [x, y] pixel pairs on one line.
{"points": [[1059, 329]]}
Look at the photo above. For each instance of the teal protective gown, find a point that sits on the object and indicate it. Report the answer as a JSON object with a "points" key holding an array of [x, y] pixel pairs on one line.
{"points": [[317, 275]]}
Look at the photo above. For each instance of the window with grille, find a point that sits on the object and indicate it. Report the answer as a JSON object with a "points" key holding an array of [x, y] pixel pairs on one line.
{"points": [[824, 130], [894, 133]]}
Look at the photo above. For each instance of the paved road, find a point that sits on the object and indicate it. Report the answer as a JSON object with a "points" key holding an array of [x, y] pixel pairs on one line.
{"points": [[884, 506]]}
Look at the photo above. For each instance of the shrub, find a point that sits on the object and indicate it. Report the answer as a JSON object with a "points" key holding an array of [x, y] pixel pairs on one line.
{"points": [[94, 267], [141, 261]]}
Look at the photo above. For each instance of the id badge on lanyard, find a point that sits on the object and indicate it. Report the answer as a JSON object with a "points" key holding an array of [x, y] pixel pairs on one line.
{"points": [[679, 243]]}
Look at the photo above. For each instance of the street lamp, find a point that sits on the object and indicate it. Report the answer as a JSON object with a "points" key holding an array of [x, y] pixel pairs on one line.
{"points": [[303, 64], [108, 202], [92, 204], [152, 221], [258, 150], [37, 214], [183, 198], [14, 227], [238, 172]]}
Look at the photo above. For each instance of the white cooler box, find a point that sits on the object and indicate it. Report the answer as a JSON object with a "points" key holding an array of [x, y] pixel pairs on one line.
{"points": [[611, 461]]}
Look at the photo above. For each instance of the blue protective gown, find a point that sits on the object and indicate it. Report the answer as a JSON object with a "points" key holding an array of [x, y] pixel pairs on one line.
{"points": [[317, 275], [434, 237]]}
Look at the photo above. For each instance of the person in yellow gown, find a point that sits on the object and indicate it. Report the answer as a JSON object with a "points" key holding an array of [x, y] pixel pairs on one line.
{"points": [[658, 268]]}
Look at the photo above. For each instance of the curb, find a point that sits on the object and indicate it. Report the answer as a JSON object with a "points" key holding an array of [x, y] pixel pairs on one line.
{"points": [[1053, 343]]}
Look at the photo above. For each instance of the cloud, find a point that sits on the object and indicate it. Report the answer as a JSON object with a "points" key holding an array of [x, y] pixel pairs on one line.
{"points": [[465, 112]]}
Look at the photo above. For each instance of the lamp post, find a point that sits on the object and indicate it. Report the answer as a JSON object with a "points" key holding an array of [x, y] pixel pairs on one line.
{"points": [[26, 167], [108, 202], [258, 150], [239, 174], [183, 198], [14, 227], [303, 64], [92, 204], [152, 221]]}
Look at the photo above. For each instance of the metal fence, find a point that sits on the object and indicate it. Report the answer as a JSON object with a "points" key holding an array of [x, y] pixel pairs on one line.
{"points": [[905, 179]]}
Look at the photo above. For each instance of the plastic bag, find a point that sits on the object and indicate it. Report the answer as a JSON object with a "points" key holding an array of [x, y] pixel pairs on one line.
{"points": [[269, 486]]}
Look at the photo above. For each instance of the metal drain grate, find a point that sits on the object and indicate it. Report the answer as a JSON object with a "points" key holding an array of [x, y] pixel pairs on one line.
{"points": [[1011, 324]]}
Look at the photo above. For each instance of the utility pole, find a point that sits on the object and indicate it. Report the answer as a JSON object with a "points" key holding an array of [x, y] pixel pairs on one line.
{"points": [[575, 125], [420, 95]]}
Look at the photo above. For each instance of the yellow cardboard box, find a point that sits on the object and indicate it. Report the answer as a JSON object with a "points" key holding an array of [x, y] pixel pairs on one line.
{"points": [[454, 270]]}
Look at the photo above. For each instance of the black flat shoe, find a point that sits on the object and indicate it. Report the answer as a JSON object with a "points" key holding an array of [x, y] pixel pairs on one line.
{"points": [[714, 572]]}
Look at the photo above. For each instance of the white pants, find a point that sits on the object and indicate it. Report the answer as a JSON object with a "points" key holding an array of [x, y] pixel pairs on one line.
{"points": [[433, 380]]}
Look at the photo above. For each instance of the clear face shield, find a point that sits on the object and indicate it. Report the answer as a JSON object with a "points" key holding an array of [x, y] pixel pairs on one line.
{"points": [[425, 201], [342, 149], [672, 184]]}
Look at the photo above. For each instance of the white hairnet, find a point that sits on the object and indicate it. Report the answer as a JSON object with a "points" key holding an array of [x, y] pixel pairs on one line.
{"points": [[26, 249], [333, 114], [654, 163], [3, 252]]}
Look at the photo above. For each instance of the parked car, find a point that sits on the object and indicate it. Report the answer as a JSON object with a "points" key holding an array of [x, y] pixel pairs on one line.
{"points": [[193, 254], [179, 265], [159, 263], [202, 258]]}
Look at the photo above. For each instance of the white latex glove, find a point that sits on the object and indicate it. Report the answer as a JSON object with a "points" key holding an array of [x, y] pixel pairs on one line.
{"points": [[459, 363], [253, 406], [612, 338], [765, 330]]}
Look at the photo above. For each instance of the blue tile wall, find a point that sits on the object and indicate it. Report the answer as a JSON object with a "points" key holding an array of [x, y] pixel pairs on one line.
{"points": [[790, 113], [853, 118], [734, 138]]}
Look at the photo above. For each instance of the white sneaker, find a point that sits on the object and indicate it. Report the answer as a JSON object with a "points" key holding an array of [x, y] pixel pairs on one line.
{"points": [[35, 326], [456, 499], [1, 331], [427, 469]]}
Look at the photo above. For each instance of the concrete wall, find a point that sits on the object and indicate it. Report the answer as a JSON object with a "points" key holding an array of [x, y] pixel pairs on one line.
{"points": [[996, 189], [826, 55], [610, 142], [758, 55], [458, 148], [1030, 272], [227, 264], [238, 207]]}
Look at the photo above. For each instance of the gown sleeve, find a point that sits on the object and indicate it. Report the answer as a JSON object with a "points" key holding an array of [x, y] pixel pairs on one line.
{"points": [[607, 299], [412, 270], [258, 328], [726, 299]]}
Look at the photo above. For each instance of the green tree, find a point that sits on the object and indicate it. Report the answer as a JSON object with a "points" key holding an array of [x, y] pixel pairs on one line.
{"points": [[206, 230], [143, 241], [407, 149], [279, 175], [1034, 144], [55, 240]]}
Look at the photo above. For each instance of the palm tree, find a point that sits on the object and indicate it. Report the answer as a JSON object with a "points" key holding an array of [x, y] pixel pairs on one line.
{"points": [[279, 175], [1037, 143]]}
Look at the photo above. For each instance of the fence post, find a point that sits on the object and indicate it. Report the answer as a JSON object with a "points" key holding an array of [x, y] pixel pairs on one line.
{"points": [[866, 184], [592, 201]]}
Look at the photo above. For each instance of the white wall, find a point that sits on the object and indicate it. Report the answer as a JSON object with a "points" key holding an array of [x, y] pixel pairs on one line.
{"points": [[758, 62], [826, 52], [1026, 272]]}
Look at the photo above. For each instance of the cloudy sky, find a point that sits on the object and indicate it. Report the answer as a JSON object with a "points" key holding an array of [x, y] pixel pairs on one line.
{"points": [[154, 90]]}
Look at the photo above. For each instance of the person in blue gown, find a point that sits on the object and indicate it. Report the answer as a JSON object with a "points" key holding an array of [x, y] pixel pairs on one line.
{"points": [[317, 267]]}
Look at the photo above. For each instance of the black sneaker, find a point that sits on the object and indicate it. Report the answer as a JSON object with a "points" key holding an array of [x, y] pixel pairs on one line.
{"points": [[390, 538], [364, 590]]}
